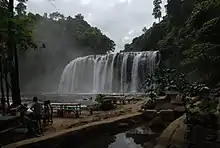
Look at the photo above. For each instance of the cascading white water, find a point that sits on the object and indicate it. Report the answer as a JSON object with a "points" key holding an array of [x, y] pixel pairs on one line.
{"points": [[110, 73], [134, 74], [124, 73]]}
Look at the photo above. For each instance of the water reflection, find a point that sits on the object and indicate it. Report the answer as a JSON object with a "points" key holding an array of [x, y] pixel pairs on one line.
{"points": [[135, 138], [122, 141], [101, 142]]}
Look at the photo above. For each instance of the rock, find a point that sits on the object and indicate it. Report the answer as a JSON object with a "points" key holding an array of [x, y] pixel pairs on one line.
{"points": [[163, 100], [194, 99], [96, 118], [161, 93], [167, 115], [121, 112], [173, 146], [157, 123], [179, 111], [150, 114], [174, 134], [123, 125], [149, 104], [177, 101]]}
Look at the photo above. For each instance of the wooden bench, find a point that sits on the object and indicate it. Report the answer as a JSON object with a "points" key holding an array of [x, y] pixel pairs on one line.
{"points": [[63, 109]]}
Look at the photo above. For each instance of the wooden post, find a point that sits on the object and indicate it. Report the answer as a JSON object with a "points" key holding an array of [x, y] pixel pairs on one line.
{"points": [[80, 112]]}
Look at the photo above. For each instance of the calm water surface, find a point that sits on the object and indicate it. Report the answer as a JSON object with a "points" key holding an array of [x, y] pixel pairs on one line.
{"points": [[134, 138]]}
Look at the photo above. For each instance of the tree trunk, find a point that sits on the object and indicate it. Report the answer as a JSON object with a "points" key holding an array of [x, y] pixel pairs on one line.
{"points": [[13, 59], [6, 82], [2, 88]]}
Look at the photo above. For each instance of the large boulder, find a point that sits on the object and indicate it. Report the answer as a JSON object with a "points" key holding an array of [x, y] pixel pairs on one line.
{"points": [[163, 100], [177, 101], [157, 123], [167, 115], [150, 114], [179, 111], [194, 99], [173, 135]]}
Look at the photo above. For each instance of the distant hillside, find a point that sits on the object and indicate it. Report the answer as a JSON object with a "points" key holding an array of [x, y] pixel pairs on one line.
{"points": [[61, 40]]}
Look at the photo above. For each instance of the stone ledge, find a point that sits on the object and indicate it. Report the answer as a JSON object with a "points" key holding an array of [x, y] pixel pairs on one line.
{"points": [[67, 132]]}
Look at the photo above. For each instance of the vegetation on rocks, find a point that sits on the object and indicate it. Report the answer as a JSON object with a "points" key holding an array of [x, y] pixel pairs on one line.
{"points": [[203, 112], [187, 38], [104, 105]]}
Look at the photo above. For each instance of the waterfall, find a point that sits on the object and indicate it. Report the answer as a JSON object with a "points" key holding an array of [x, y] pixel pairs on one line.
{"points": [[110, 73], [134, 74], [124, 73]]}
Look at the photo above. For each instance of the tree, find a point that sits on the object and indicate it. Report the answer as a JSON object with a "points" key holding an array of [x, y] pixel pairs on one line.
{"points": [[157, 9], [16, 35], [21, 7], [144, 29], [56, 16], [45, 15], [79, 16], [187, 37]]}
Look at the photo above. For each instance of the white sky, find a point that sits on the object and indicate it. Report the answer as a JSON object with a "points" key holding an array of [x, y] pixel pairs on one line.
{"points": [[121, 20]]}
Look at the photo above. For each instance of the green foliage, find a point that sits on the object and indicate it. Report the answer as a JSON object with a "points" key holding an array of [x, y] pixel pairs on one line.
{"points": [[150, 104], [100, 98], [165, 79], [22, 27], [162, 79], [210, 32], [203, 113], [80, 32], [64, 38], [104, 105], [157, 9], [187, 38], [56, 16]]}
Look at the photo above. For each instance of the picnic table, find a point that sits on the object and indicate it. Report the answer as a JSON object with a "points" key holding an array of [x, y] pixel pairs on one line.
{"points": [[66, 107]]}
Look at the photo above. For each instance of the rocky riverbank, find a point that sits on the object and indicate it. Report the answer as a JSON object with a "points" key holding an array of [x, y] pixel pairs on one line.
{"points": [[82, 129]]}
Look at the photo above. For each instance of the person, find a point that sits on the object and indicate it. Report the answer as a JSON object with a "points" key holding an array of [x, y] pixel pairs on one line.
{"points": [[50, 112], [27, 122], [45, 113], [36, 108]]}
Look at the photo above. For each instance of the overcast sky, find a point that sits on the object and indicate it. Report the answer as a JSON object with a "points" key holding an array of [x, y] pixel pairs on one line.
{"points": [[121, 20]]}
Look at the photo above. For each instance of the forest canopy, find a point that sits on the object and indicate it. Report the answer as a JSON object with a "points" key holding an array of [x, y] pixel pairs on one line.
{"points": [[188, 38], [47, 43]]}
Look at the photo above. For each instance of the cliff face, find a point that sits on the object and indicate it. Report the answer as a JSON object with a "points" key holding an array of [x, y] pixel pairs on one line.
{"points": [[187, 38]]}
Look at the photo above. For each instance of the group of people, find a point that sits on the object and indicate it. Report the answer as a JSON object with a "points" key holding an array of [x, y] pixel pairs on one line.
{"points": [[40, 112]]}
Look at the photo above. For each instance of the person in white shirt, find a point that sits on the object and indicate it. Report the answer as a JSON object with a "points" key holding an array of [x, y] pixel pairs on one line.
{"points": [[36, 108]]}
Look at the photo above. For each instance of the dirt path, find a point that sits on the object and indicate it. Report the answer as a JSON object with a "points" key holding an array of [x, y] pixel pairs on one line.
{"points": [[66, 123]]}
